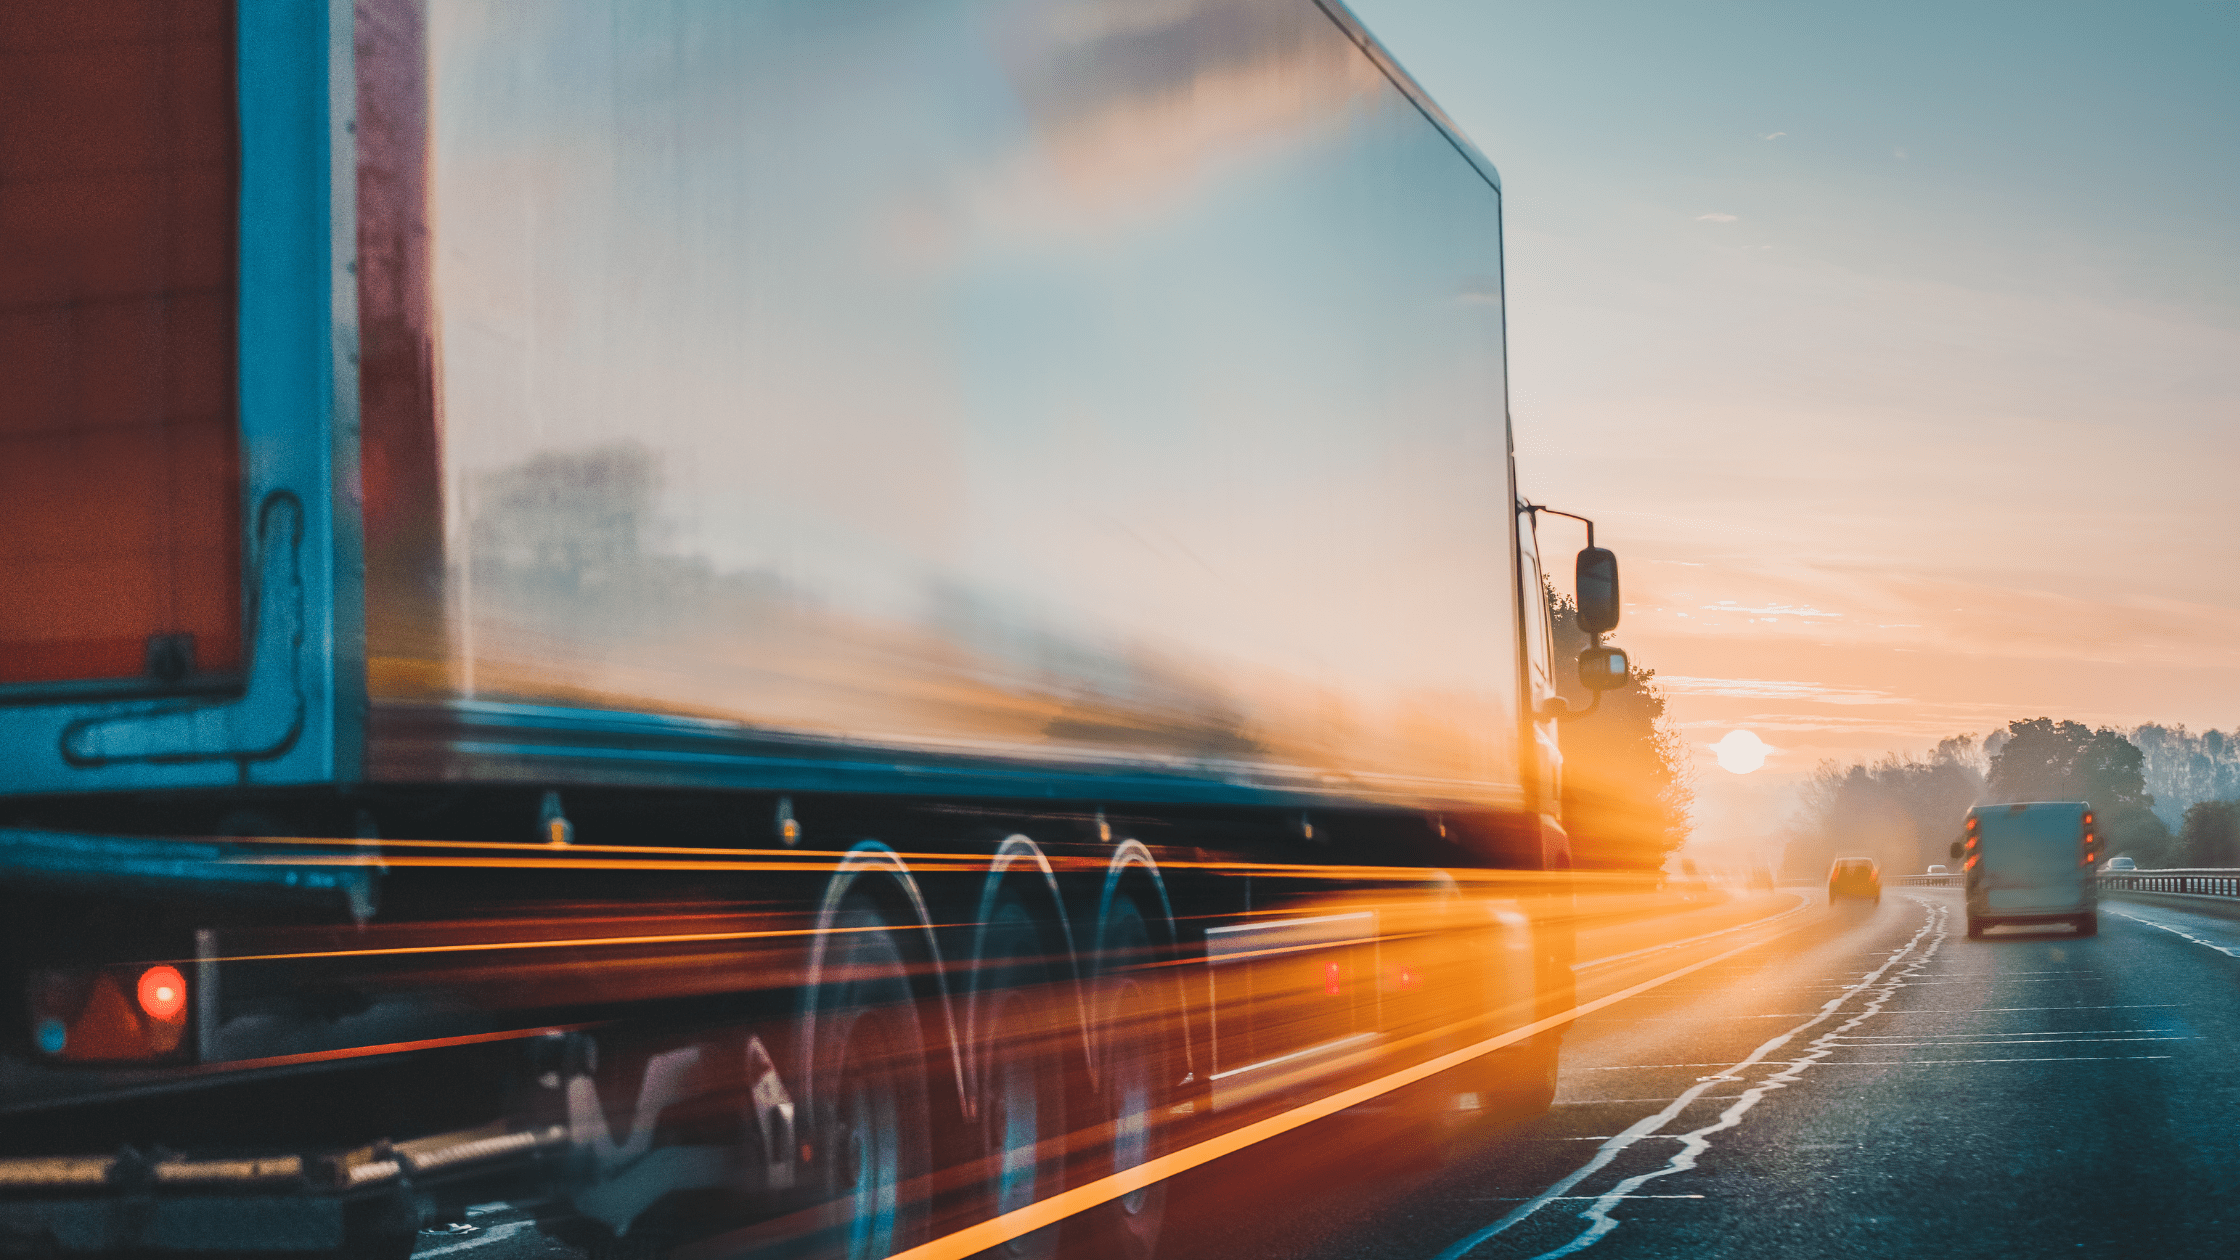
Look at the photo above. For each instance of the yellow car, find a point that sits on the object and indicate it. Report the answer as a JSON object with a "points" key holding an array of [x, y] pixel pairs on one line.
{"points": [[1855, 877]]}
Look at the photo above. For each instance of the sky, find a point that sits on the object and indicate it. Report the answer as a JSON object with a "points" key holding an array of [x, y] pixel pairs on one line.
{"points": [[1895, 349]]}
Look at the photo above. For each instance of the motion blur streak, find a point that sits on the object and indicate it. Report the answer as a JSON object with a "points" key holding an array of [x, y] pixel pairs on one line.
{"points": [[1058, 1207]]}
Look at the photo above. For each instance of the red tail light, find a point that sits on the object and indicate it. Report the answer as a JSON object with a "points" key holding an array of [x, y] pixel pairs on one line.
{"points": [[163, 993], [109, 1015], [1330, 977]]}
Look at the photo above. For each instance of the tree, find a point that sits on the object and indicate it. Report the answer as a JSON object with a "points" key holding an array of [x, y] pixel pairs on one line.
{"points": [[2182, 767], [1903, 811], [2045, 760], [2210, 835], [1627, 783]]}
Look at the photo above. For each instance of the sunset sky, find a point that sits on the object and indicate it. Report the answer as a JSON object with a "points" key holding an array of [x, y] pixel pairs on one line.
{"points": [[1896, 348]]}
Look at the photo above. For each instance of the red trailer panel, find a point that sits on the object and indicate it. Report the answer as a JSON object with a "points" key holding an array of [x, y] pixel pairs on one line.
{"points": [[119, 447]]}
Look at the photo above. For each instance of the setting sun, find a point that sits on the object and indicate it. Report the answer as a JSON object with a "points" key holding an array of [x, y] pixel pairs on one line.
{"points": [[1741, 752]]}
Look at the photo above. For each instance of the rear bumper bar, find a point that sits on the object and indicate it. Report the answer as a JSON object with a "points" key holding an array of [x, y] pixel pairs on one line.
{"points": [[293, 1202]]}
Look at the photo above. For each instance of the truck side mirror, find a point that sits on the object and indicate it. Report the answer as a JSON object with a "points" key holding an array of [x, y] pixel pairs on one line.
{"points": [[1604, 668], [1598, 590]]}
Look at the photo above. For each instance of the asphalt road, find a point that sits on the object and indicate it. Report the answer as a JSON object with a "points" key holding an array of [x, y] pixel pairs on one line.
{"points": [[1848, 1081], [1791, 1080]]}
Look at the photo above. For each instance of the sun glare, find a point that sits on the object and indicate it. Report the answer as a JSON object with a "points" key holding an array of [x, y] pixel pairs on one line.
{"points": [[1741, 752]]}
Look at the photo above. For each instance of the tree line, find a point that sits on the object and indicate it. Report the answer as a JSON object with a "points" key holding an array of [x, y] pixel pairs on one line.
{"points": [[2163, 796]]}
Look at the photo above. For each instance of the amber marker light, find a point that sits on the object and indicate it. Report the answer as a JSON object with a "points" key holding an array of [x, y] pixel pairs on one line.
{"points": [[163, 993]]}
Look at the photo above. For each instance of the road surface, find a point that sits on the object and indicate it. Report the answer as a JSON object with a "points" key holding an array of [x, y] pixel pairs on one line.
{"points": [[1778, 1077], [1854, 1081]]}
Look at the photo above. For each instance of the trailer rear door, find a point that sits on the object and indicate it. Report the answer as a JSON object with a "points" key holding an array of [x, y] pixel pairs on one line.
{"points": [[119, 445], [2032, 857], [178, 386]]}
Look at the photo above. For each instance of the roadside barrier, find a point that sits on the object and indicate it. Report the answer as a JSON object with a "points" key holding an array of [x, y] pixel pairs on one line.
{"points": [[2197, 882]]}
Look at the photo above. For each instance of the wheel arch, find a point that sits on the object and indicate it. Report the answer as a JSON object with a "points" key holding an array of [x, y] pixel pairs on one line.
{"points": [[873, 866], [1134, 873], [1019, 865]]}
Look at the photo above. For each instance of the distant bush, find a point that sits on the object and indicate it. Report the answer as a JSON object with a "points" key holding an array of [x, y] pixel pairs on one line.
{"points": [[2210, 835]]}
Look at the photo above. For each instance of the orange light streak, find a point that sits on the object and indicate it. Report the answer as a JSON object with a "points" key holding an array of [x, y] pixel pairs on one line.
{"points": [[1002, 1229]]}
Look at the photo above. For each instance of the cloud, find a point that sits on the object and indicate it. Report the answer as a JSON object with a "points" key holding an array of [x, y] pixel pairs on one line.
{"points": [[1773, 689], [1770, 610], [1715, 217], [1773, 135], [1899, 154]]}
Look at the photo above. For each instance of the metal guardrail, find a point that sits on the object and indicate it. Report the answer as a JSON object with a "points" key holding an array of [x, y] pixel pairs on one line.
{"points": [[2193, 882], [2196, 882]]}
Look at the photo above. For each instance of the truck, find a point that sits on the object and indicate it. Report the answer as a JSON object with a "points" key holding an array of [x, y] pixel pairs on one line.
{"points": [[2032, 862], [806, 626]]}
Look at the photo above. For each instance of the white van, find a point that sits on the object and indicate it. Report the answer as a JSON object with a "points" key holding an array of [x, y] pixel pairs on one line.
{"points": [[2031, 863]]}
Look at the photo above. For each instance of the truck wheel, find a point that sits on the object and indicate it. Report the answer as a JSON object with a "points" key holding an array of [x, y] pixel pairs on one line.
{"points": [[1529, 1093], [1975, 928], [1137, 1018], [869, 1131], [1023, 1033], [2088, 924]]}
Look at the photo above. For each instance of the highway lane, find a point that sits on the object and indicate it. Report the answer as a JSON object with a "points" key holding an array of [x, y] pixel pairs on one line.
{"points": [[1863, 1081], [1806, 1080]]}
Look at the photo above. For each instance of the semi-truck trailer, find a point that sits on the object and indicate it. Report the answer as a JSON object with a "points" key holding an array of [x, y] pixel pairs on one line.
{"points": [[807, 624]]}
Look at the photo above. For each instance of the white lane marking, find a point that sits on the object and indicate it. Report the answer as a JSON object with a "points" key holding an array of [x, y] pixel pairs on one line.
{"points": [[1651, 1067], [1603, 1102], [974, 1239], [1697, 1141], [2073, 1058], [1693, 1143], [496, 1233], [1560, 1198], [2227, 950], [2050, 1032], [1998, 975], [1923, 984], [1993, 1045], [2004, 1010], [1792, 911]]}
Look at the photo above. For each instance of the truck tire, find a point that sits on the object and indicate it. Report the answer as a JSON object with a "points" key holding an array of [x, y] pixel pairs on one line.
{"points": [[2088, 924], [1025, 1032], [869, 1129], [1139, 1022], [1975, 928], [1532, 1091]]}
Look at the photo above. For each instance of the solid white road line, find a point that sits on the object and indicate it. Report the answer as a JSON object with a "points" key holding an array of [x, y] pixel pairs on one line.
{"points": [[2074, 1058], [2227, 950], [1695, 1143]]}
